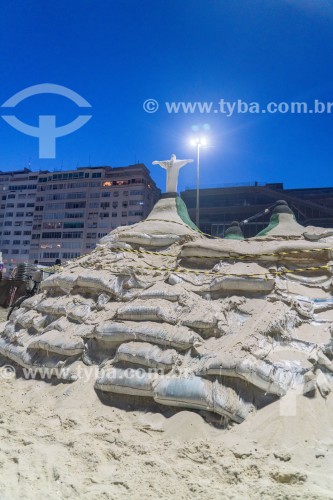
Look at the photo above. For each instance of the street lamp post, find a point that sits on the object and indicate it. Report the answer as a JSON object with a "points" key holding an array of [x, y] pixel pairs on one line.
{"points": [[198, 143], [197, 208]]}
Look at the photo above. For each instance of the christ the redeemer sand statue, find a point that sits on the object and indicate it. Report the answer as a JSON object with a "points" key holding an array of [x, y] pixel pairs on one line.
{"points": [[172, 167]]}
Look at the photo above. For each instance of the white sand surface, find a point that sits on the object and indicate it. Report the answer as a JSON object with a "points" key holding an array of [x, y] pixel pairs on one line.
{"points": [[59, 441]]}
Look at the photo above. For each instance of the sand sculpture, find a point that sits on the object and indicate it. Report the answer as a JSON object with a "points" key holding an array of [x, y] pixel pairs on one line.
{"points": [[166, 313]]}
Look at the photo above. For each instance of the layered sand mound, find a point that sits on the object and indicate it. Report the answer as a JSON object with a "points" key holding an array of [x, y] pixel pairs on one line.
{"points": [[168, 314]]}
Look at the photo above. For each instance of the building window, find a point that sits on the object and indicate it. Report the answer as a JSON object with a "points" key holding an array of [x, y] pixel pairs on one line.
{"points": [[91, 235], [73, 235], [70, 255], [50, 255], [70, 244], [72, 205], [69, 175], [50, 235], [114, 214], [133, 212], [137, 181], [136, 202], [59, 196], [76, 196], [75, 185], [71, 225], [49, 225], [74, 215], [124, 214]]}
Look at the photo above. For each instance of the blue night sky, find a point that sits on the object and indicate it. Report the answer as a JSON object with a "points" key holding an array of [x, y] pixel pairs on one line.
{"points": [[118, 53]]}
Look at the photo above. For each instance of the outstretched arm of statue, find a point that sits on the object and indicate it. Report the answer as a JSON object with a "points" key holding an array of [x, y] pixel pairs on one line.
{"points": [[182, 163], [163, 164]]}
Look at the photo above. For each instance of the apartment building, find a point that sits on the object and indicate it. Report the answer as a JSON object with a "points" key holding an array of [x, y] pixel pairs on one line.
{"points": [[66, 213], [18, 192]]}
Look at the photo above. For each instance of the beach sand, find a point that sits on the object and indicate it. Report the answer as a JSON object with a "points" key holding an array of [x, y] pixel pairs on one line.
{"points": [[59, 441]]}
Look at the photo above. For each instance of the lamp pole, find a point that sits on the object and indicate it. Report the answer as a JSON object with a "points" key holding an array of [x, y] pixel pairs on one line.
{"points": [[197, 209], [198, 142]]}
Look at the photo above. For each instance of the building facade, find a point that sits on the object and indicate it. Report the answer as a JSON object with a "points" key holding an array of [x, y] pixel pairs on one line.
{"points": [[18, 192], [220, 206], [46, 216]]}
